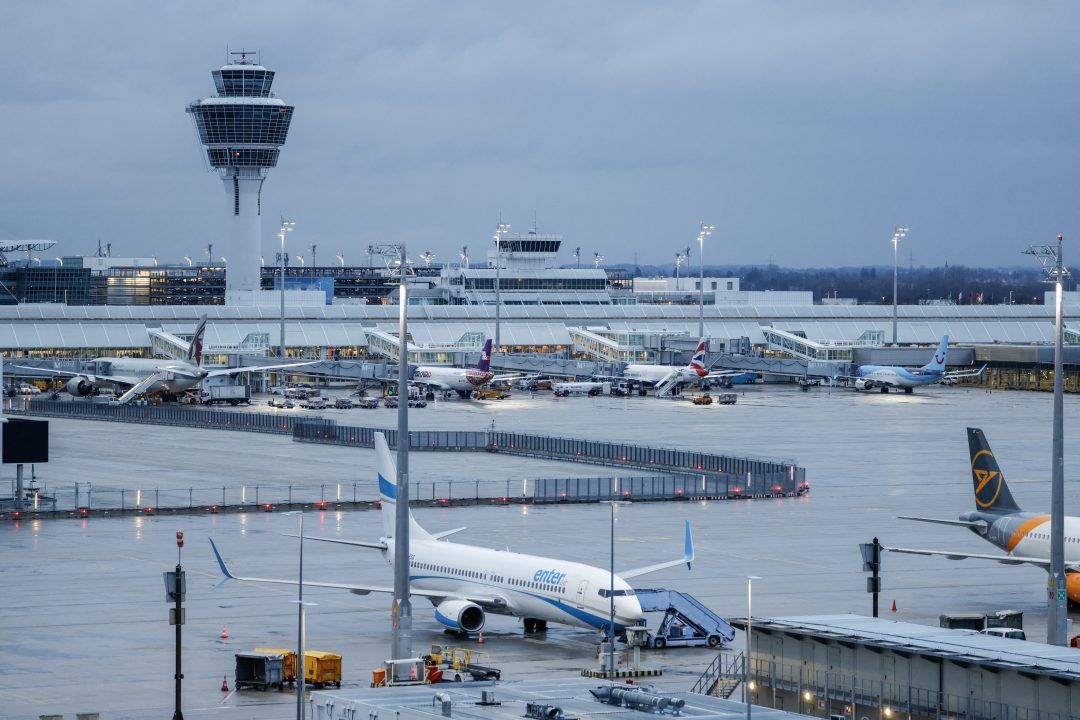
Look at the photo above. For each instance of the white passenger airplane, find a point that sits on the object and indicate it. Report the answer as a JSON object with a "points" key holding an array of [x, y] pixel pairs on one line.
{"points": [[1023, 536], [465, 582], [886, 377], [694, 372], [139, 376], [461, 380]]}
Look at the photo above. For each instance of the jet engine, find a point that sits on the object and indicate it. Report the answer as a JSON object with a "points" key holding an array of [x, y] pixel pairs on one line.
{"points": [[460, 615], [1072, 588], [78, 386], [864, 384]]}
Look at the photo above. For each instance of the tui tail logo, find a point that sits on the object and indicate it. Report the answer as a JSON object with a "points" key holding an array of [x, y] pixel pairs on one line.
{"points": [[987, 481]]}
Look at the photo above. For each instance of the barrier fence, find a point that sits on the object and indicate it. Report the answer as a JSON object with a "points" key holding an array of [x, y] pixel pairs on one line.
{"points": [[711, 474], [255, 495], [193, 417], [673, 474]]}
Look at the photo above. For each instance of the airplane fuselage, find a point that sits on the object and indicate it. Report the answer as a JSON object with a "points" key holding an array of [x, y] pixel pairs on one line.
{"points": [[448, 378], [535, 587], [178, 375], [654, 374], [1027, 534], [892, 376]]}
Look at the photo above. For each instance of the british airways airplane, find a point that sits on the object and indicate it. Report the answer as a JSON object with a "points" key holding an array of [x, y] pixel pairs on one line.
{"points": [[888, 377], [464, 583]]}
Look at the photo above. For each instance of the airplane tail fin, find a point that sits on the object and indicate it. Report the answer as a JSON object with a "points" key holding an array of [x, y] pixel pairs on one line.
{"points": [[991, 492], [485, 358], [697, 362], [194, 352], [937, 363], [387, 469]]}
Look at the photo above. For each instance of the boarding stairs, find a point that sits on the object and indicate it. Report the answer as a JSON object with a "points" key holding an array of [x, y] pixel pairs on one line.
{"points": [[665, 386], [686, 621]]}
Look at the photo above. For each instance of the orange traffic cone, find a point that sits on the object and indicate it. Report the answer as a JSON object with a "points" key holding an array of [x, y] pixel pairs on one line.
{"points": [[894, 606], [480, 640], [224, 634], [224, 684]]}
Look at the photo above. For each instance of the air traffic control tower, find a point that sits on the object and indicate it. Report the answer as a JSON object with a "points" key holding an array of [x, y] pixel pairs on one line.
{"points": [[243, 128]]}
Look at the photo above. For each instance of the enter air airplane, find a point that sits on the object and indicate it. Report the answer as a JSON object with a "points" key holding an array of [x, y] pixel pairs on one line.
{"points": [[464, 583], [1023, 536]]}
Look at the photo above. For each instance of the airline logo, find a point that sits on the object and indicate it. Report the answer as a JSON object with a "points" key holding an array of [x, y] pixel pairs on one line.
{"points": [[987, 481], [939, 359], [195, 349], [697, 363], [551, 577], [478, 378]]}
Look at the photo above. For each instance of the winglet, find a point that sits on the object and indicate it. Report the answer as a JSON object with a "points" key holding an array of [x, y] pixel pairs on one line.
{"points": [[688, 547], [221, 564]]}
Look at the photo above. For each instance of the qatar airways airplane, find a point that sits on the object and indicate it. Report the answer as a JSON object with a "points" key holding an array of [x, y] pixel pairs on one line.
{"points": [[464, 582]]}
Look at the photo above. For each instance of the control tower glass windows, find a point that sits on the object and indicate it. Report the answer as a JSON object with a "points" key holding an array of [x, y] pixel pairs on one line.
{"points": [[243, 157], [242, 124], [246, 82]]}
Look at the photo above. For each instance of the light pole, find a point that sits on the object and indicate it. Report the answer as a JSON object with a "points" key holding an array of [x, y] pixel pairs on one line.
{"points": [[500, 232], [301, 625], [1057, 595], [704, 232], [897, 236], [286, 228], [611, 597], [402, 630], [678, 264], [749, 630]]}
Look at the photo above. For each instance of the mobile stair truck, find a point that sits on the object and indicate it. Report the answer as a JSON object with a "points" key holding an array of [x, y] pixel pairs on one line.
{"points": [[686, 622]]}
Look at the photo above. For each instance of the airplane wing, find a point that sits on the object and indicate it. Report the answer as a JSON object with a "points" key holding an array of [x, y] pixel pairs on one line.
{"points": [[118, 379], [953, 374], [354, 543], [425, 382], [688, 557], [960, 523], [447, 533], [258, 368], [960, 555], [492, 601]]}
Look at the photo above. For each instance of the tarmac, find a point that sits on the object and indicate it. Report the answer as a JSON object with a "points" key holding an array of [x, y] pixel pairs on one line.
{"points": [[83, 618]]}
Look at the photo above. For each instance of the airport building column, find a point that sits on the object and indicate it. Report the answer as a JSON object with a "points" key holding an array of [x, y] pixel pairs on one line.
{"points": [[402, 629]]}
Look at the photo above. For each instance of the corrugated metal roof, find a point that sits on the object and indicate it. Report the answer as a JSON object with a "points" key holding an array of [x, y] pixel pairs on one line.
{"points": [[955, 644]]}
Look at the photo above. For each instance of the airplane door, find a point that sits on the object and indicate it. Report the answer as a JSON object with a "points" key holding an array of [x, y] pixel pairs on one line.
{"points": [[581, 593]]}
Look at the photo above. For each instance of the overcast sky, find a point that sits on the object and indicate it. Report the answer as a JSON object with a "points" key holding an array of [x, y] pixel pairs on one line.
{"points": [[805, 132]]}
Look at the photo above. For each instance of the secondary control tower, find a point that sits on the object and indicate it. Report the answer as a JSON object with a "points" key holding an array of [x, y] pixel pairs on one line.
{"points": [[243, 128]]}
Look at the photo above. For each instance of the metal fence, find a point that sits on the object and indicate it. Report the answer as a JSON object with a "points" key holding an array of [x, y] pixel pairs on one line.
{"points": [[702, 473], [195, 417], [72, 497], [828, 694]]}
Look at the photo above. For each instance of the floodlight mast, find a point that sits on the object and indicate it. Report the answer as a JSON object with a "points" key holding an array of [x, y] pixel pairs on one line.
{"points": [[1057, 592]]}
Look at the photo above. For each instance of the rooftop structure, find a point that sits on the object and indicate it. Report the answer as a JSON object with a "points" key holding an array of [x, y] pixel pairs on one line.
{"points": [[243, 128]]}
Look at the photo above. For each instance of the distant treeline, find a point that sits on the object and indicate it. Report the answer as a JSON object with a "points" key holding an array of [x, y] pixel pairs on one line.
{"points": [[965, 285]]}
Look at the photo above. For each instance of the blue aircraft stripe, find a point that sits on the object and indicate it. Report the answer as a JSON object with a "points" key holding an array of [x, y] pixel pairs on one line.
{"points": [[596, 621], [387, 488]]}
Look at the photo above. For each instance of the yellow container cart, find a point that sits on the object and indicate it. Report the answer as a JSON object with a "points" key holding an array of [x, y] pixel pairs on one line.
{"points": [[322, 668]]}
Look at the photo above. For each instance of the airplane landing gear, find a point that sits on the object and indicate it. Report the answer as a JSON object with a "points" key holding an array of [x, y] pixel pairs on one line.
{"points": [[909, 391]]}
